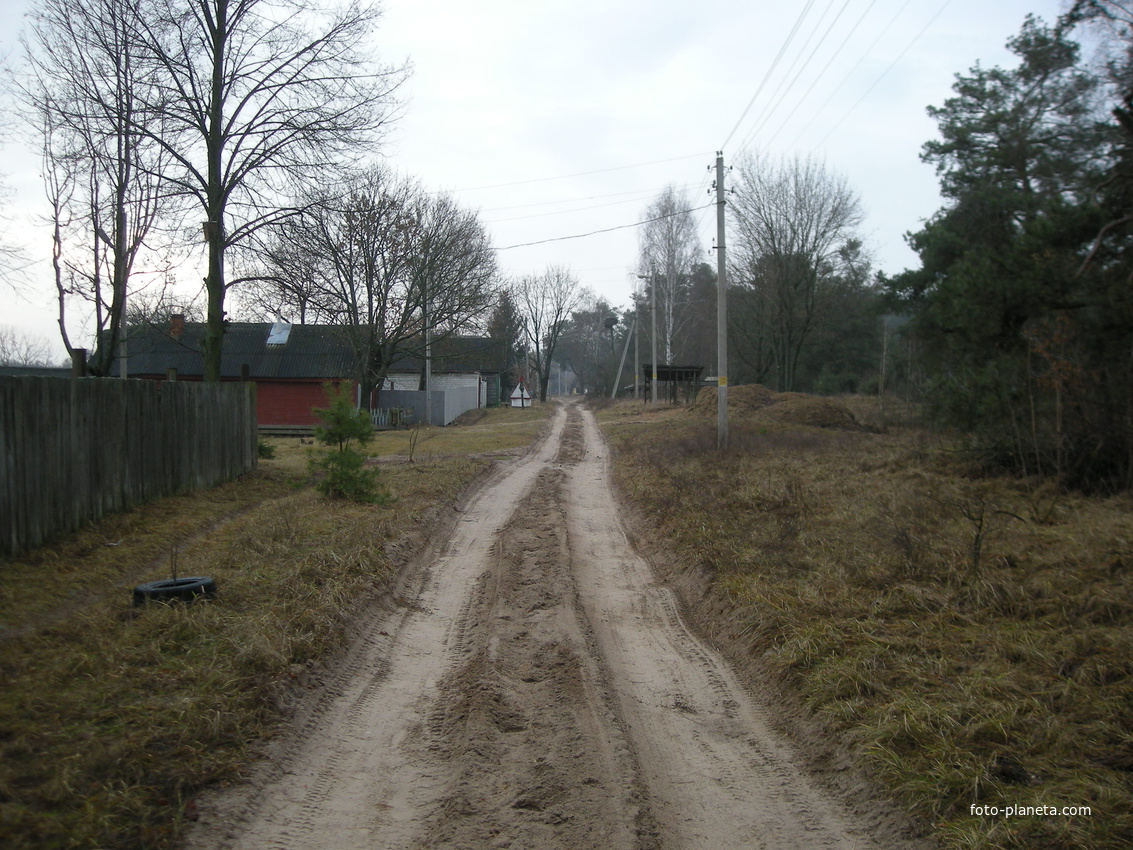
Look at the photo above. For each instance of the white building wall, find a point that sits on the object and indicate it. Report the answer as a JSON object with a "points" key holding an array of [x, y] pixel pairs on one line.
{"points": [[444, 381]]}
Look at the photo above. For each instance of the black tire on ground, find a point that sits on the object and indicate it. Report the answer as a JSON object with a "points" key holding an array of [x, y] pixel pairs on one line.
{"points": [[182, 589]]}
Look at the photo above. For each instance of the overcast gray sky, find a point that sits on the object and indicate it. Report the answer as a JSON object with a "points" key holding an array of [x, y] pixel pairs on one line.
{"points": [[561, 117]]}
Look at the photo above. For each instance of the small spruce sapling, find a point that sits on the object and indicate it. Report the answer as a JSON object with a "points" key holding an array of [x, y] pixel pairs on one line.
{"points": [[343, 428]]}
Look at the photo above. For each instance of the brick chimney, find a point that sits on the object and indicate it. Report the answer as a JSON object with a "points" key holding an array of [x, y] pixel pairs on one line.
{"points": [[177, 325]]}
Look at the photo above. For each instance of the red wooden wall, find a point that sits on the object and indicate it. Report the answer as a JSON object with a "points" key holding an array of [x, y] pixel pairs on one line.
{"points": [[288, 403]]}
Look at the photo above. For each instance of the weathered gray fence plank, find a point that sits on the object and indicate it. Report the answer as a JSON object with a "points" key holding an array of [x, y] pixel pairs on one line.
{"points": [[74, 450]]}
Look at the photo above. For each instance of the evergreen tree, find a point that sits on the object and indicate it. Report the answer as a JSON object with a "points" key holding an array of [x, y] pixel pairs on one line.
{"points": [[1015, 333]]}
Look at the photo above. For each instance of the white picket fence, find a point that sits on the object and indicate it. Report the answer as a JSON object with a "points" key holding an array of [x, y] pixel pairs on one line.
{"points": [[393, 417]]}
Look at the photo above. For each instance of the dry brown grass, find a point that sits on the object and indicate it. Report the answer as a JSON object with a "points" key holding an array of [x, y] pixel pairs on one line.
{"points": [[971, 637], [754, 403], [488, 431], [113, 718]]}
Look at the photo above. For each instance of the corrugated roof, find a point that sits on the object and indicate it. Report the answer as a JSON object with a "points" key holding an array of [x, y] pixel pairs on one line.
{"points": [[36, 371], [311, 352], [458, 354], [315, 352]]}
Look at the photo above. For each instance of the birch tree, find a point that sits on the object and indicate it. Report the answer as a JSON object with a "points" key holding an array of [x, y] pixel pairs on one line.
{"points": [[668, 249]]}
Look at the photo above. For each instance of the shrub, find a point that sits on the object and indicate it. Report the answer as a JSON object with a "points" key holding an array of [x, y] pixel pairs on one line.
{"points": [[344, 471]]}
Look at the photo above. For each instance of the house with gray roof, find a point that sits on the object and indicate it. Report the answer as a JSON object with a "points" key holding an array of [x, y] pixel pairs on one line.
{"points": [[290, 363]]}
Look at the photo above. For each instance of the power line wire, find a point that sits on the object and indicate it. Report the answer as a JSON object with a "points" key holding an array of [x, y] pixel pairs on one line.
{"points": [[704, 181], [579, 174], [642, 196], [846, 78], [892, 65], [784, 90], [596, 232], [572, 200], [822, 73], [770, 71]]}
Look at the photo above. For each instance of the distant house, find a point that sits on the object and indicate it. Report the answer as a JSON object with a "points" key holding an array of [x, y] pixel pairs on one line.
{"points": [[457, 362], [290, 363]]}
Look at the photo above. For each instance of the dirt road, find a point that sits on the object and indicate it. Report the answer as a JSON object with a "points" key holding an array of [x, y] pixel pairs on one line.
{"points": [[539, 690]]}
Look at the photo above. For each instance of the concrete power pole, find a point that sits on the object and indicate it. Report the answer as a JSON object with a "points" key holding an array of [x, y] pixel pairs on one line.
{"points": [[721, 313], [425, 317], [636, 356], [653, 293]]}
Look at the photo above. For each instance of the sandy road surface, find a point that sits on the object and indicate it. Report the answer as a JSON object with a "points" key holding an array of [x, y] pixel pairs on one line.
{"points": [[541, 691]]}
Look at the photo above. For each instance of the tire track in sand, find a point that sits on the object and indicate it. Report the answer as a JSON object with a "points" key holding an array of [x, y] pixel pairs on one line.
{"points": [[537, 755], [717, 773], [359, 779]]}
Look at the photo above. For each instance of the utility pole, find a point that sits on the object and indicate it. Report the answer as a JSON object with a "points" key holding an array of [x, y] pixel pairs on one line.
{"points": [[721, 313], [636, 355], [621, 365], [653, 294], [425, 318]]}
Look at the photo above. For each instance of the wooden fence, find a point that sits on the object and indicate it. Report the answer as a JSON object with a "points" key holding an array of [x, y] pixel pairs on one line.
{"points": [[72, 451]]}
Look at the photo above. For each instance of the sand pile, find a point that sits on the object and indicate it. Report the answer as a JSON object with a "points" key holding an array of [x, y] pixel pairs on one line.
{"points": [[757, 403]]}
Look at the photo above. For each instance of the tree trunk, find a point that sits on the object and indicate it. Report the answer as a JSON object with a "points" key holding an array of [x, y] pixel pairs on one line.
{"points": [[214, 228]]}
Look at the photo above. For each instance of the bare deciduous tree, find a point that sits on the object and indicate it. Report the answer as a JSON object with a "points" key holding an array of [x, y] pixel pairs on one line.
{"points": [[84, 87], [790, 221], [21, 349], [546, 302], [13, 262], [156, 307], [254, 93], [388, 263], [452, 263]]}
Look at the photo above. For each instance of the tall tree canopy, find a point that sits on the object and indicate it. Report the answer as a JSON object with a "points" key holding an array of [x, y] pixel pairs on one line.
{"points": [[389, 263], [792, 225], [591, 344], [546, 302], [87, 80], [251, 96], [1029, 351], [227, 104]]}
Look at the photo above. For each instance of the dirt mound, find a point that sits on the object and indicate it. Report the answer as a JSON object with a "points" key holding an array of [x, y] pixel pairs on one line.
{"points": [[809, 410], [742, 399], [757, 402]]}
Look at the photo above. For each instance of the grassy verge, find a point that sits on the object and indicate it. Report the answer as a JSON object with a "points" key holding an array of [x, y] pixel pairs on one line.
{"points": [[485, 431], [113, 718], [970, 636]]}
